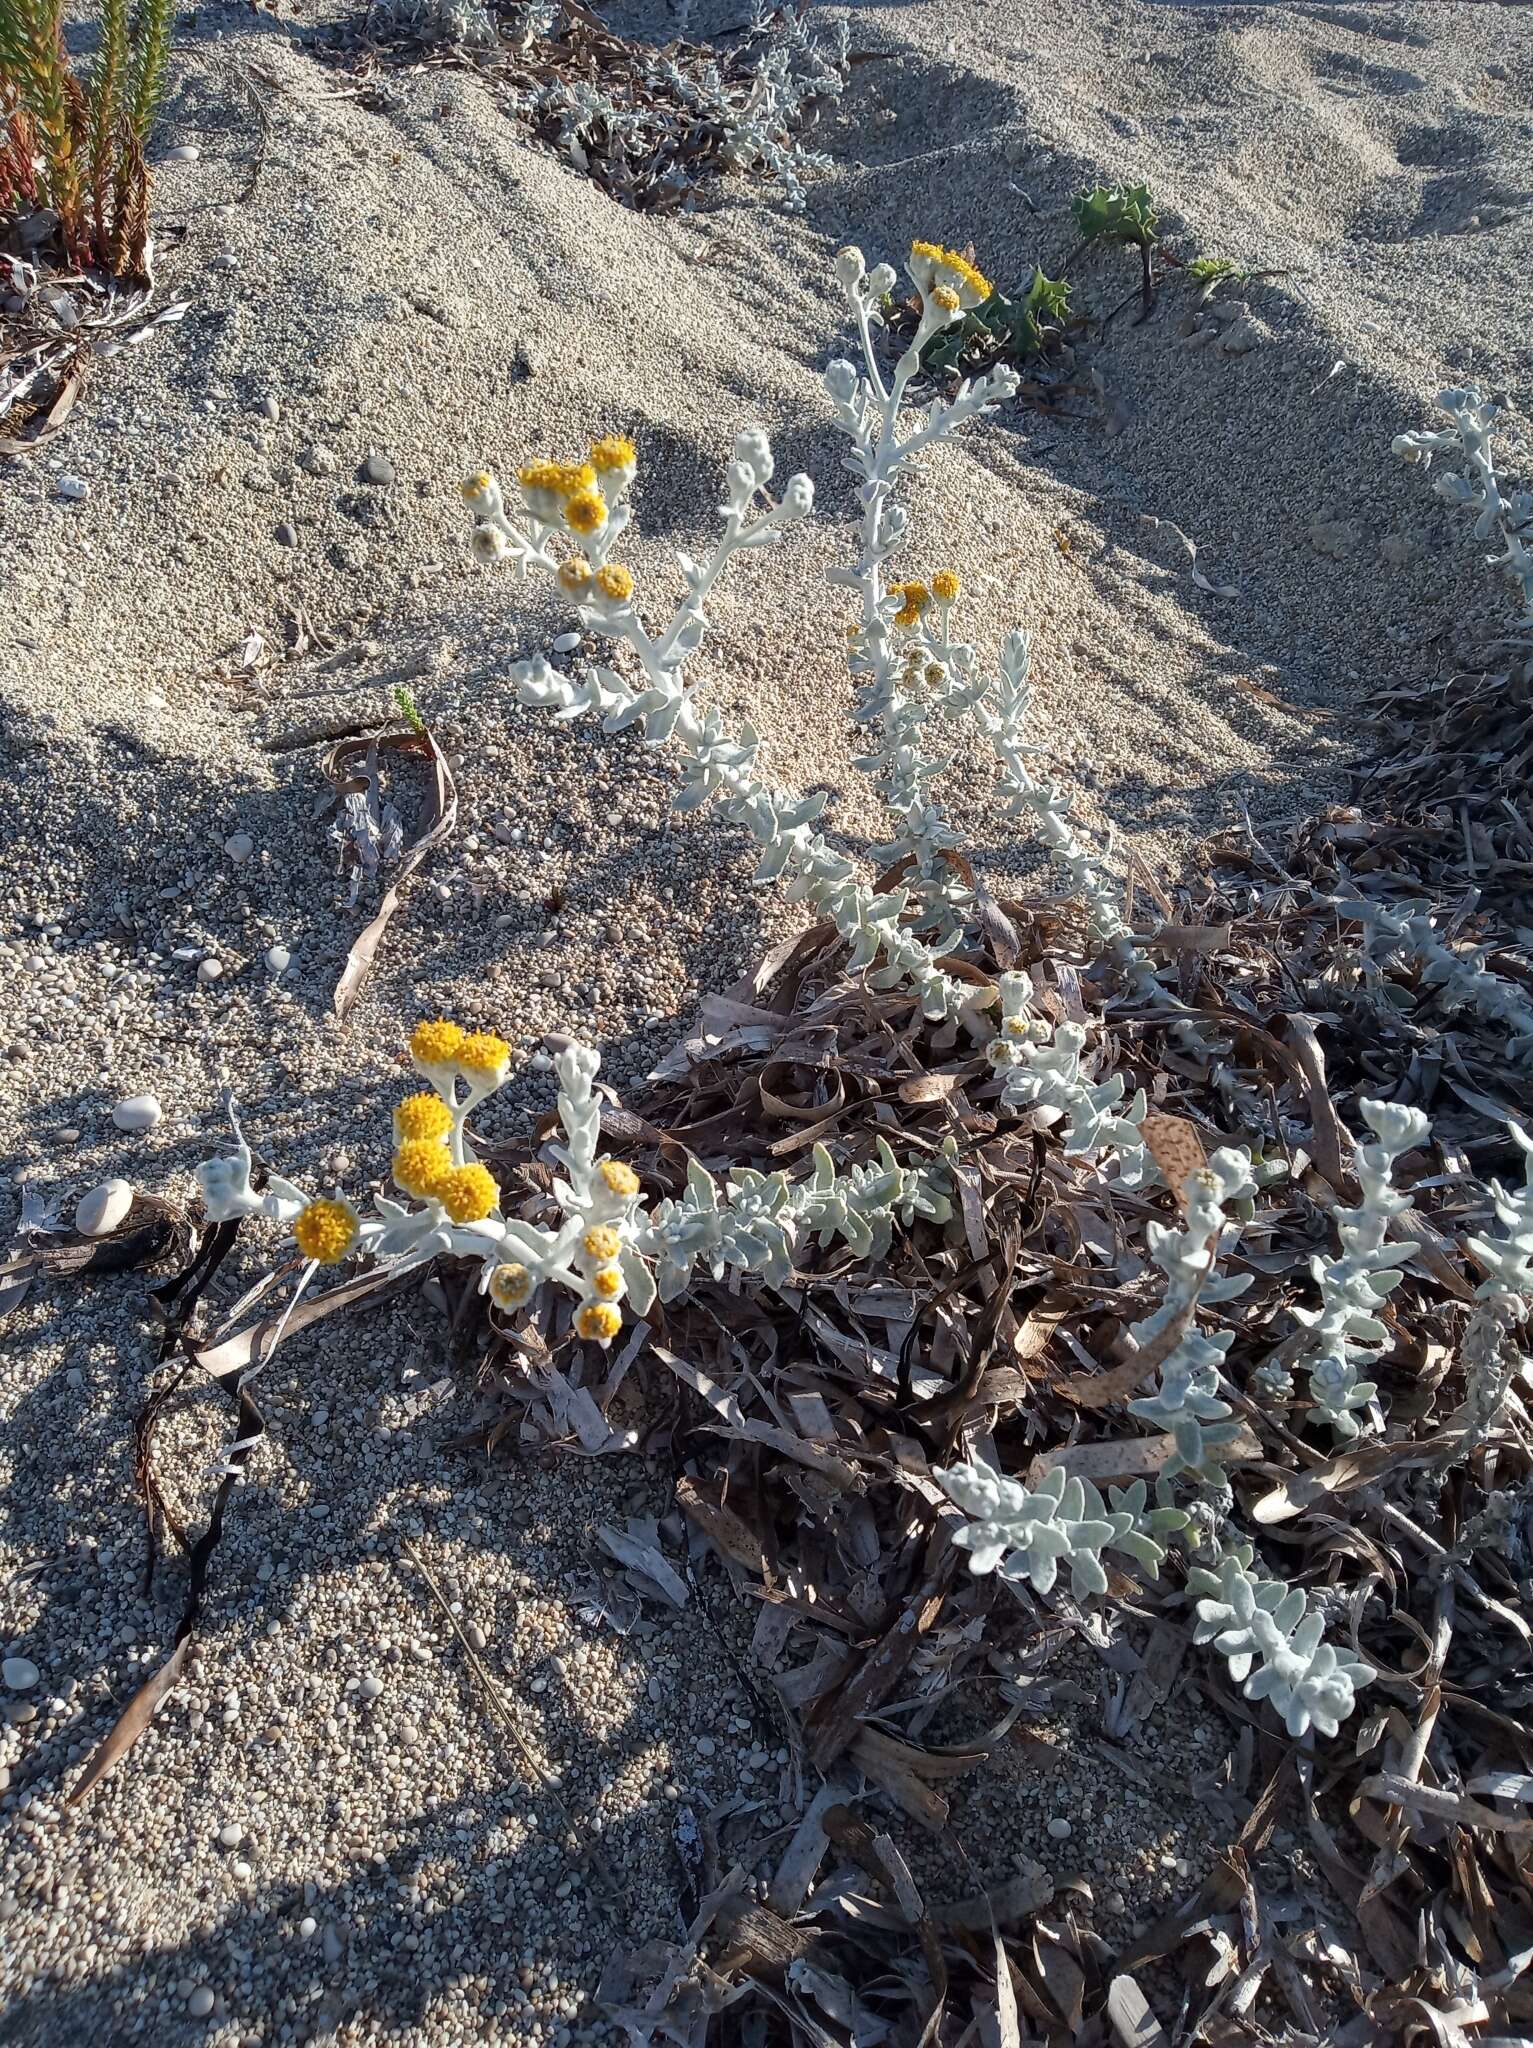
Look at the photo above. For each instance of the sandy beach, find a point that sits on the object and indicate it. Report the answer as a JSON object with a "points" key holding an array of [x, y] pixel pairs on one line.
{"points": [[389, 283]]}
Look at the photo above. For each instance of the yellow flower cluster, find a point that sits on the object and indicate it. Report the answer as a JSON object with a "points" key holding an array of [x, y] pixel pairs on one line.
{"points": [[581, 494], [614, 582], [914, 599], [422, 1116], [946, 586], [325, 1231], [948, 264], [437, 1044]]}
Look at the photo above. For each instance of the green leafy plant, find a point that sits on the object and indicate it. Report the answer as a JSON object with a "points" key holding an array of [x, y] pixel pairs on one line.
{"points": [[77, 148], [1117, 213], [408, 709]]}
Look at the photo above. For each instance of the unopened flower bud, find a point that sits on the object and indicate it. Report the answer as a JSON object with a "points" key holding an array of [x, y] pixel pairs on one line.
{"points": [[850, 267], [882, 281], [798, 498], [841, 380], [754, 451]]}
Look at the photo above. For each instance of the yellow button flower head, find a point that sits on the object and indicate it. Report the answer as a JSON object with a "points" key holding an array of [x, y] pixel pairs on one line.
{"points": [[421, 1165], [575, 477], [613, 451], [326, 1231], [483, 1057], [599, 1322], [914, 598], [618, 1179], [614, 582], [543, 489], [998, 1052], [586, 512], [601, 1241], [422, 1116], [943, 295], [946, 586], [607, 1283], [467, 1193], [511, 1286], [574, 575], [1014, 1027], [434, 1042], [933, 268]]}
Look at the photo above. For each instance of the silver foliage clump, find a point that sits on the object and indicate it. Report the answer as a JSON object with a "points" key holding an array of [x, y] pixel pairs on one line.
{"points": [[1457, 981], [1503, 1299], [1187, 1402], [762, 105], [1041, 1069], [757, 1221], [1031, 1533], [461, 24], [1347, 1332], [1273, 1639], [1476, 488]]}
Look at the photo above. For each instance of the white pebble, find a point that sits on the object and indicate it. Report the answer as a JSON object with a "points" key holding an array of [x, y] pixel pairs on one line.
{"points": [[72, 489], [200, 2004], [103, 1208], [137, 1113], [566, 643], [183, 153], [241, 1870], [231, 1836], [278, 959], [308, 1927], [239, 846], [1060, 1828], [20, 1673], [209, 969], [227, 260], [370, 1687]]}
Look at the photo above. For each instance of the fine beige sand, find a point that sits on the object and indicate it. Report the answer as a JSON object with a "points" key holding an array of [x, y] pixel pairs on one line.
{"points": [[323, 1830]]}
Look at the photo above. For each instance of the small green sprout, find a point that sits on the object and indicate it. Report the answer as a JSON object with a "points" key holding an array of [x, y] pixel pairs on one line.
{"points": [[405, 705]]}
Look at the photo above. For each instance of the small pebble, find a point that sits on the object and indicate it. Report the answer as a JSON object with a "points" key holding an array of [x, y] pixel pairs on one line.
{"points": [[278, 959], [225, 260], [72, 489], [231, 1835], [370, 1687], [200, 2004], [270, 408], [286, 535], [317, 459], [137, 1113], [209, 970], [103, 1208], [566, 643], [183, 153], [239, 846], [1060, 1828], [377, 469], [19, 1673], [241, 1870], [308, 1927]]}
